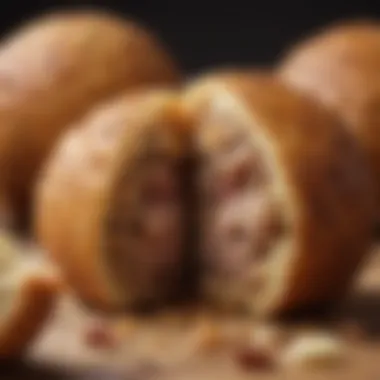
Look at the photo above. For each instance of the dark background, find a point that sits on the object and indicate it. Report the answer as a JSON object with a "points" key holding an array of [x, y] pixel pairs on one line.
{"points": [[213, 33]]}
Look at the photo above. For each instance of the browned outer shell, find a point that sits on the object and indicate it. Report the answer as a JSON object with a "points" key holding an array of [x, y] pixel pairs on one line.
{"points": [[55, 68], [76, 189], [326, 191], [340, 66], [33, 304]]}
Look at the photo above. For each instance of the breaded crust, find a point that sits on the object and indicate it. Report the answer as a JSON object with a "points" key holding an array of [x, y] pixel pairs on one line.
{"points": [[54, 69], [77, 186], [324, 183]]}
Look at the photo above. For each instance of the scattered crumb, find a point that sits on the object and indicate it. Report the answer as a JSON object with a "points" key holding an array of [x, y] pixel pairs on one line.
{"points": [[252, 358], [269, 337], [318, 350], [100, 335], [209, 336]]}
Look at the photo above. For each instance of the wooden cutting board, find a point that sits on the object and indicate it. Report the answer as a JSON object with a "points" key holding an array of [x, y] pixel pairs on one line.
{"points": [[167, 347]]}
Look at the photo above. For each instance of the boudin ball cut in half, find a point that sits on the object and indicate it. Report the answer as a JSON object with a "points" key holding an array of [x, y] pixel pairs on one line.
{"points": [[110, 204], [340, 67], [28, 291], [52, 70], [285, 198]]}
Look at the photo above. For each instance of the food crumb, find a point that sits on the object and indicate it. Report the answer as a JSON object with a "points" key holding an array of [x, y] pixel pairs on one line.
{"points": [[100, 335], [206, 335], [210, 336], [252, 358], [269, 337], [315, 350]]}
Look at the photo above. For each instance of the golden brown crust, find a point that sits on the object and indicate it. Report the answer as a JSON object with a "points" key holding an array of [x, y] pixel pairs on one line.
{"points": [[340, 67], [53, 70], [76, 187], [31, 309], [326, 188]]}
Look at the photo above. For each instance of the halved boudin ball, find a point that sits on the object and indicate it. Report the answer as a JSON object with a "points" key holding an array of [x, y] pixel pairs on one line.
{"points": [[52, 71], [340, 67], [110, 206], [285, 198], [27, 296]]}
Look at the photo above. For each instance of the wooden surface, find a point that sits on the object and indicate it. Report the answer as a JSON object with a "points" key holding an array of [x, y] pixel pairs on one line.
{"points": [[167, 349]]}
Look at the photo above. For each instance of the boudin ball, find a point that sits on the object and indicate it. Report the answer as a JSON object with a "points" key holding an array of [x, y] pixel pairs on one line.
{"points": [[54, 69]]}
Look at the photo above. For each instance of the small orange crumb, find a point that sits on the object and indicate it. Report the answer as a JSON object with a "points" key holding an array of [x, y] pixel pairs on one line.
{"points": [[209, 336]]}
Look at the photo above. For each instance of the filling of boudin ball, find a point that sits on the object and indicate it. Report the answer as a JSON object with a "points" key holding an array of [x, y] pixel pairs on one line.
{"points": [[241, 217], [145, 224]]}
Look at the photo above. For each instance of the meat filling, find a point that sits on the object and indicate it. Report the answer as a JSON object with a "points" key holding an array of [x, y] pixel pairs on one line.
{"points": [[240, 214], [145, 234]]}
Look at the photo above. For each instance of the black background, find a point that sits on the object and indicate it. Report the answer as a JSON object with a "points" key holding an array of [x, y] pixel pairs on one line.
{"points": [[215, 33]]}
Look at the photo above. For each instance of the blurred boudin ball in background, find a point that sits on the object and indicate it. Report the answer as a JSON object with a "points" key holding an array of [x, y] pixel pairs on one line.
{"points": [[52, 71], [340, 66]]}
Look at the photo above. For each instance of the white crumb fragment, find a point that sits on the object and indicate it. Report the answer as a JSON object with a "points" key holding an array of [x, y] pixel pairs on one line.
{"points": [[314, 350], [267, 336]]}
